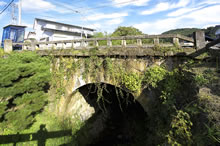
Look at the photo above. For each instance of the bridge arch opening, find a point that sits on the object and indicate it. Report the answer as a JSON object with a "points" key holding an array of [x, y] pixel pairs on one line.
{"points": [[117, 118]]}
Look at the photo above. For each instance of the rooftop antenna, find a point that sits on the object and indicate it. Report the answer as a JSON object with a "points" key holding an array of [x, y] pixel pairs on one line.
{"points": [[13, 14], [15, 11]]}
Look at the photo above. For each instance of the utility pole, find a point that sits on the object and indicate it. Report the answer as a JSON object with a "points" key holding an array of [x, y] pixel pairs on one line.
{"points": [[19, 11]]}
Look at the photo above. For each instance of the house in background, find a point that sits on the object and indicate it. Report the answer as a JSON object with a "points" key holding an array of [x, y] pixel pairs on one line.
{"points": [[31, 35], [46, 30]]}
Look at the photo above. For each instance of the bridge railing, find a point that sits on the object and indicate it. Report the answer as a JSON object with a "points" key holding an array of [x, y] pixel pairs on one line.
{"points": [[144, 41]]}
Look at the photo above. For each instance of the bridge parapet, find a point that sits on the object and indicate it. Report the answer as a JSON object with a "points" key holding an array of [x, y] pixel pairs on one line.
{"points": [[143, 41]]}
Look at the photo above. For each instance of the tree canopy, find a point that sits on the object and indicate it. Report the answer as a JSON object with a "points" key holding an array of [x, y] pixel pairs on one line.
{"points": [[183, 31], [210, 31], [99, 35], [125, 31], [24, 81]]}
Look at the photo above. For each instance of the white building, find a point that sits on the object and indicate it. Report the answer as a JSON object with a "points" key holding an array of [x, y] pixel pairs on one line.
{"points": [[46, 30]]}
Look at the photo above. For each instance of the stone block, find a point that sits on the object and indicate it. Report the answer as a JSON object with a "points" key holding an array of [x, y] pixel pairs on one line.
{"points": [[199, 39], [8, 47], [156, 41], [139, 42]]}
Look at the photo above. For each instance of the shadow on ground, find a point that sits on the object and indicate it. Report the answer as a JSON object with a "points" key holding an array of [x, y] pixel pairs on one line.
{"points": [[40, 136]]}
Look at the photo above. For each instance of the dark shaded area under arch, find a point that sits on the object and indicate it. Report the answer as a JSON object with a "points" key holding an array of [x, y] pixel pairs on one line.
{"points": [[118, 119]]}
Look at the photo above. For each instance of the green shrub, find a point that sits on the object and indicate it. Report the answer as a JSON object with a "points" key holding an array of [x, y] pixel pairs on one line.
{"points": [[131, 81], [180, 131], [24, 81], [153, 75], [200, 80]]}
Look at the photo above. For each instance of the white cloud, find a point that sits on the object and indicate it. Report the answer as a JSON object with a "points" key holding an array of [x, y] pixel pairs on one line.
{"points": [[37, 5], [199, 5], [96, 26], [115, 21], [182, 11], [122, 3], [27, 24], [157, 26], [64, 8], [107, 25], [159, 7], [182, 3], [164, 6], [33, 6], [2, 3], [100, 16], [206, 15], [210, 2], [198, 18]]}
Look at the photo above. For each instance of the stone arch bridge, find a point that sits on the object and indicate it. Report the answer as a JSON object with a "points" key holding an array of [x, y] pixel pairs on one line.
{"points": [[130, 54], [101, 73]]}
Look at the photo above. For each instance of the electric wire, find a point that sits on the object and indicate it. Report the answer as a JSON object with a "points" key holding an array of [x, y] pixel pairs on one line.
{"points": [[109, 5], [3, 5], [93, 8], [6, 7], [85, 18], [82, 16]]}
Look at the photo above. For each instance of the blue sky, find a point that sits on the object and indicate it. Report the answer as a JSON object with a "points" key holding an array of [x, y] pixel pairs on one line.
{"points": [[150, 16]]}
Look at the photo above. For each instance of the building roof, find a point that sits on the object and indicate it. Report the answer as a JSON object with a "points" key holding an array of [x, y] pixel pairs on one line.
{"points": [[85, 28], [11, 25]]}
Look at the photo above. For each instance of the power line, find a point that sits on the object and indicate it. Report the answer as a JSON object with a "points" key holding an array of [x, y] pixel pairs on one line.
{"points": [[83, 16], [78, 12], [88, 9], [102, 6], [3, 6], [108, 5], [68, 6], [6, 6]]}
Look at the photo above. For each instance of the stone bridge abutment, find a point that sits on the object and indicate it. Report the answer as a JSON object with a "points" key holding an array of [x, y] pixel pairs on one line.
{"points": [[71, 74]]}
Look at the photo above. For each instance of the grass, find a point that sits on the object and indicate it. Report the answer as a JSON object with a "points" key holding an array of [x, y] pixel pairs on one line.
{"points": [[1, 52], [52, 124]]}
